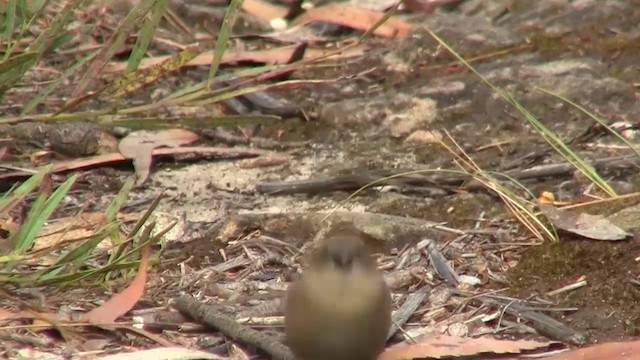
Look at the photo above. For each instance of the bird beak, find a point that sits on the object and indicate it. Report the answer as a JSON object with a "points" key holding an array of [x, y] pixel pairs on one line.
{"points": [[344, 260]]}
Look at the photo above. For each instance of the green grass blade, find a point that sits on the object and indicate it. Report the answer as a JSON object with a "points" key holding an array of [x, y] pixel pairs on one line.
{"points": [[593, 116], [117, 252], [563, 149], [34, 9], [552, 139], [112, 45], [199, 87], [57, 27], [21, 240], [60, 40], [146, 35], [112, 210], [39, 214], [25, 188], [78, 255], [145, 239], [75, 277], [131, 82], [119, 263], [223, 37], [9, 23], [8, 196], [14, 68]]}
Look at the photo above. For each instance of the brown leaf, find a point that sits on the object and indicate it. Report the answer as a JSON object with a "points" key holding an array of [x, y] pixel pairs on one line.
{"points": [[279, 55], [450, 346], [111, 159], [595, 227], [264, 10], [618, 351], [271, 159], [426, 6], [139, 146], [122, 302], [356, 18]]}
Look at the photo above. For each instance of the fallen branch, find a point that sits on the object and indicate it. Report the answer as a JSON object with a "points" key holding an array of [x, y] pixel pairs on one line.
{"points": [[432, 182], [212, 317]]}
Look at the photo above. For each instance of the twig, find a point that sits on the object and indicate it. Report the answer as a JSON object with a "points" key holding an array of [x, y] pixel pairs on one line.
{"points": [[356, 181], [229, 327], [439, 262], [407, 309]]}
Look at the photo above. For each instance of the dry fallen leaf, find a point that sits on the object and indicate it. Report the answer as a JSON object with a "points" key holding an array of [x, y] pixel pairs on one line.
{"points": [[272, 56], [595, 227], [442, 346], [356, 18], [139, 146], [271, 159], [121, 303], [426, 6], [264, 10], [618, 351], [111, 159]]}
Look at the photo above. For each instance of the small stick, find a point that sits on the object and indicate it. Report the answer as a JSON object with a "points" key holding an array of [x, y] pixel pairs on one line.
{"points": [[407, 309], [212, 317]]}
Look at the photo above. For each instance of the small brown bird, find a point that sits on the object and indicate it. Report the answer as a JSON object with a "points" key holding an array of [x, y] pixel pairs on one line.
{"points": [[340, 308]]}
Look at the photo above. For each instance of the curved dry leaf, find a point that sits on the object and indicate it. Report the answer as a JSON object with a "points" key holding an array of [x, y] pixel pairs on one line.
{"points": [[442, 346], [121, 303], [114, 158], [269, 159], [595, 227], [279, 55], [619, 350], [264, 10], [356, 18], [139, 146], [426, 6]]}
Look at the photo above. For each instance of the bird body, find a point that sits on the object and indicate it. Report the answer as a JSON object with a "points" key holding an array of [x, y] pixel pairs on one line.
{"points": [[340, 308]]}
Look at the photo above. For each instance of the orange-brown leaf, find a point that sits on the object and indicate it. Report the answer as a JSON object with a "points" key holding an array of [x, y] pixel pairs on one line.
{"points": [[122, 302], [356, 18], [449, 346]]}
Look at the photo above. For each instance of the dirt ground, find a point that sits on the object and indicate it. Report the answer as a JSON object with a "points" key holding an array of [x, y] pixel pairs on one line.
{"points": [[236, 240]]}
